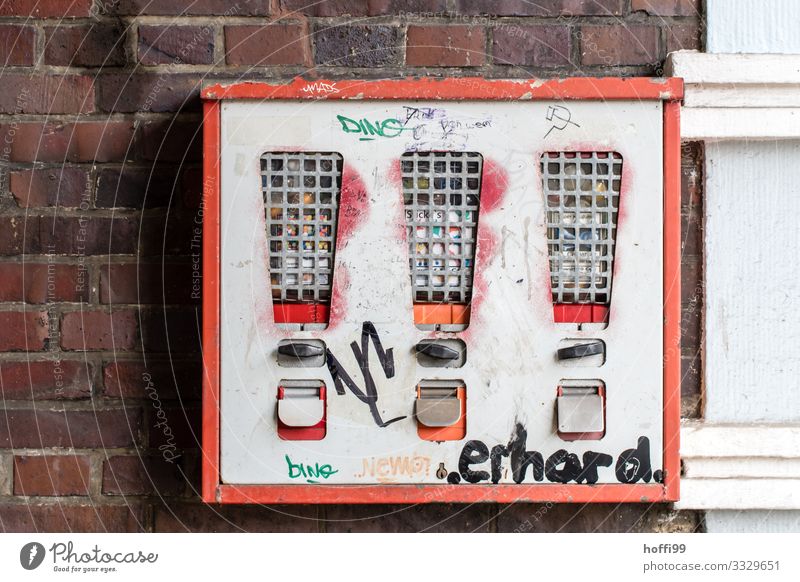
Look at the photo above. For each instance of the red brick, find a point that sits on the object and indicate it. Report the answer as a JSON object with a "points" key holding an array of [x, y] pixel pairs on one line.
{"points": [[199, 517], [16, 44], [691, 325], [153, 92], [134, 187], [620, 45], [192, 45], [165, 234], [175, 428], [46, 380], [98, 330], [19, 234], [170, 330], [548, 8], [691, 280], [592, 517], [436, 518], [69, 235], [691, 387], [667, 7], [188, 8], [88, 141], [64, 187], [171, 141], [273, 44], [192, 187], [356, 46], [159, 283], [683, 36], [326, 8], [692, 234], [542, 46], [46, 8], [23, 331], [28, 428], [6, 476], [69, 518], [167, 380], [42, 282], [405, 7], [24, 93], [445, 46], [52, 475], [98, 44], [129, 475]]}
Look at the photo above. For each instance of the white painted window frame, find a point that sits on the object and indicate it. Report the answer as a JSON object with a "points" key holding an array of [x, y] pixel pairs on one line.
{"points": [[739, 97]]}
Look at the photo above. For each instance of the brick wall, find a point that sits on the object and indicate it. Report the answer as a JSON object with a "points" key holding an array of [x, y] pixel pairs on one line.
{"points": [[99, 134]]}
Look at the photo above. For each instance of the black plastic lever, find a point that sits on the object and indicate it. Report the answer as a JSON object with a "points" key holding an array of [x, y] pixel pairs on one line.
{"points": [[582, 350], [435, 350], [300, 350]]}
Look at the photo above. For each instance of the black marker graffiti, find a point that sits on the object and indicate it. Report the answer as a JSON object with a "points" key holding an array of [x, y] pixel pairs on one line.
{"points": [[561, 467], [522, 459], [560, 117], [634, 464], [369, 395]]}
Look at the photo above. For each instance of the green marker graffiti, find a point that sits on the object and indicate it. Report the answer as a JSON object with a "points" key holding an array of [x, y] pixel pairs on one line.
{"points": [[309, 472], [387, 128]]}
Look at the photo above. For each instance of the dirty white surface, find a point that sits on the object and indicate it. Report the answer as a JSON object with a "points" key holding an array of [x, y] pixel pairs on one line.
{"points": [[753, 365], [752, 26], [511, 373]]}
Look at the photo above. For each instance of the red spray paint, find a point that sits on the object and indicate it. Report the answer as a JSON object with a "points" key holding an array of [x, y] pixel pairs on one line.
{"points": [[353, 211]]}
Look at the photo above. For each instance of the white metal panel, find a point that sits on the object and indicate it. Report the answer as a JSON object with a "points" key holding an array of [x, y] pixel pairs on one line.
{"points": [[752, 521], [752, 26], [740, 466], [511, 373], [752, 362], [759, 493], [738, 96], [696, 68]]}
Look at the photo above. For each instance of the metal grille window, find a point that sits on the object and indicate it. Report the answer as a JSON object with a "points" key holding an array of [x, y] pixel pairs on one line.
{"points": [[441, 193], [301, 196], [582, 197]]}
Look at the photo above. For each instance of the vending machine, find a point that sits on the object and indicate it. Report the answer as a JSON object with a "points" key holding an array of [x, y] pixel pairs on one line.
{"points": [[441, 290]]}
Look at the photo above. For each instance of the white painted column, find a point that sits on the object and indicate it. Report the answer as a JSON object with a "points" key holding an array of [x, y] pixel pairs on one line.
{"points": [[742, 462]]}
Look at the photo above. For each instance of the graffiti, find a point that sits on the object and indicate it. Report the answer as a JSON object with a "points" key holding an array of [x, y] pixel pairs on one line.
{"points": [[560, 117], [388, 469], [425, 124], [435, 129], [632, 465], [369, 395], [309, 472], [389, 127], [421, 113], [450, 125], [320, 88]]}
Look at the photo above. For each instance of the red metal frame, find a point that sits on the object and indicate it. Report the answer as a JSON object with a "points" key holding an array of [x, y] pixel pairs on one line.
{"points": [[670, 91]]}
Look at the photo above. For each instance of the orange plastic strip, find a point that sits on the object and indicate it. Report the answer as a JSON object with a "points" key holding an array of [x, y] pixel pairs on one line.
{"points": [[672, 298], [461, 493], [211, 301], [607, 88]]}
